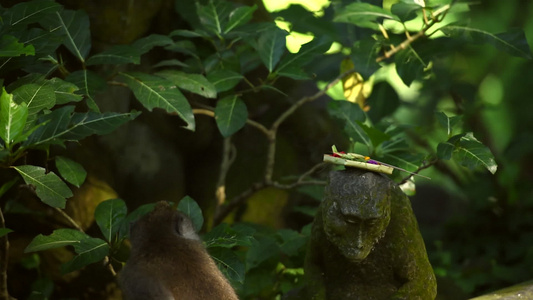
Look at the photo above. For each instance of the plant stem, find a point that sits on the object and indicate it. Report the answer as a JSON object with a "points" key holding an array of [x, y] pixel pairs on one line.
{"points": [[4, 248]]}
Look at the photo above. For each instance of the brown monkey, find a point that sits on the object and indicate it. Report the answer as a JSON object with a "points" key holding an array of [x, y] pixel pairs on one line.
{"points": [[169, 262]]}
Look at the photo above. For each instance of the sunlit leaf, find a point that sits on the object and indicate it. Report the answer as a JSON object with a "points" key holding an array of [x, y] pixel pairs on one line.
{"points": [[240, 16], [513, 42], [195, 83], [230, 115], [48, 186], [12, 118], [270, 47], [109, 216], [70, 170], [36, 96], [363, 15], [10, 47], [156, 92], [188, 206], [224, 79], [58, 238], [116, 55]]}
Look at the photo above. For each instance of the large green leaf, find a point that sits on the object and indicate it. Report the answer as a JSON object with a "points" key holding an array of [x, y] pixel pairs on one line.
{"points": [[55, 126], [85, 124], [194, 83], [12, 118], [64, 91], [363, 15], [44, 41], [36, 96], [406, 11], [513, 42], [224, 79], [70, 170], [145, 44], [75, 26], [225, 236], [350, 114], [240, 16], [89, 250], [229, 264], [304, 56], [89, 83], [116, 55], [10, 47], [231, 115], [156, 92], [467, 151], [188, 206], [48, 186], [58, 238], [270, 47], [30, 12], [109, 215], [134, 216], [214, 15]]}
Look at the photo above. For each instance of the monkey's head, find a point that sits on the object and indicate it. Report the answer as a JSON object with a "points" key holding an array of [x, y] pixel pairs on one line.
{"points": [[160, 225], [356, 211]]}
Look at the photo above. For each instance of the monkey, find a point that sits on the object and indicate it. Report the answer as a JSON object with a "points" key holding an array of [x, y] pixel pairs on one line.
{"points": [[169, 262]]}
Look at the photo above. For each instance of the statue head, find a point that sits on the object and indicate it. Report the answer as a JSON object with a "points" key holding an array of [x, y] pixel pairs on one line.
{"points": [[356, 211]]}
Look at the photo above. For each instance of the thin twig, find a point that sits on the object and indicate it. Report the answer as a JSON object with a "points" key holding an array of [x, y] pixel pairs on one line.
{"points": [[220, 193], [4, 248], [436, 17], [422, 167], [71, 221]]}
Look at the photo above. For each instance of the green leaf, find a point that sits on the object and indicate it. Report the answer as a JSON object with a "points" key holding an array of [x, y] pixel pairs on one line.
{"points": [[513, 42], [224, 80], [270, 47], [194, 83], [75, 26], [156, 92], [64, 91], [5, 231], [304, 56], [89, 250], [58, 238], [229, 264], [383, 101], [85, 124], [467, 151], [48, 186], [363, 15], [293, 242], [188, 206], [109, 216], [145, 44], [134, 216], [89, 83], [55, 125], [70, 170], [37, 97], [405, 11], [12, 118], [29, 12], [10, 47], [116, 55], [364, 54], [225, 236], [240, 16], [7, 185], [447, 122], [231, 115], [265, 248], [350, 114], [214, 15]]}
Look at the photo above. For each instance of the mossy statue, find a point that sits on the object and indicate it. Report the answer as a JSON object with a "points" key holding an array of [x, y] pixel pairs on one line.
{"points": [[365, 243]]}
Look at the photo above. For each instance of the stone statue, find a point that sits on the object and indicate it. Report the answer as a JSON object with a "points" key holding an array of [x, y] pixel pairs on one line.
{"points": [[365, 243]]}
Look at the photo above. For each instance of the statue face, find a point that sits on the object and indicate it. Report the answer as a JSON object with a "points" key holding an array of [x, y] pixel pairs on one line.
{"points": [[356, 213]]}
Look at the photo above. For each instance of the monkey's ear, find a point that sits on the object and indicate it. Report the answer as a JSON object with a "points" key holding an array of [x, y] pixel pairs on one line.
{"points": [[183, 226]]}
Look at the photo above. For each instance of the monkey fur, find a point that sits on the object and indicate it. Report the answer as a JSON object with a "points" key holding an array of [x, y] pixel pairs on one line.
{"points": [[169, 262]]}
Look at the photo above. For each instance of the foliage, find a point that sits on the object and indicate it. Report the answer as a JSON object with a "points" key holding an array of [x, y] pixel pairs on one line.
{"points": [[52, 79]]}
